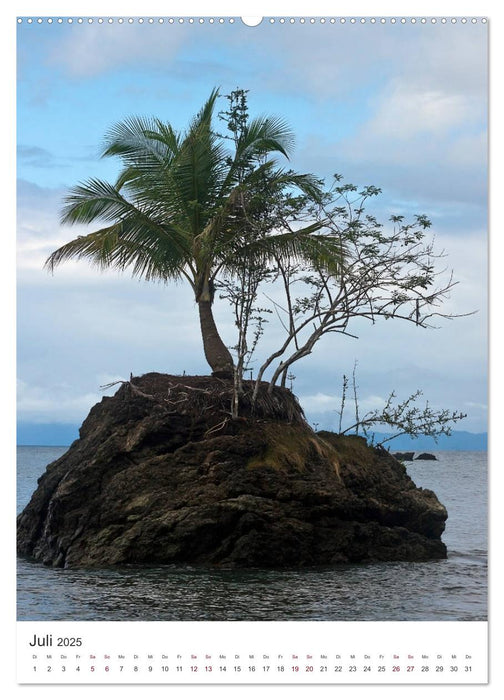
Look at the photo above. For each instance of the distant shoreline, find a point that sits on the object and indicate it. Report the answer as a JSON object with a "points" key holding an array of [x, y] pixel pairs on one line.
{"points": [[392, 450], [459, 441]]}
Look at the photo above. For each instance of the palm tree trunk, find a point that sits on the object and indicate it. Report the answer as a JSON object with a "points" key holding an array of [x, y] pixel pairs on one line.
{"points": [[216, 353]]}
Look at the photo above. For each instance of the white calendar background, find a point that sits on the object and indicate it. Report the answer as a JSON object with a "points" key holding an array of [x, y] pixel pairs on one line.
{"points": [[150, 653], [261, 652]]}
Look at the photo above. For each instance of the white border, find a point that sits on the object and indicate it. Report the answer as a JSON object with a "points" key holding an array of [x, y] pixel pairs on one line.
{"points": [[316, 9]]}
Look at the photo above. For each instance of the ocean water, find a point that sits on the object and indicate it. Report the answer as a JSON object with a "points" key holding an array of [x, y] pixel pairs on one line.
{"points": [[451, 589]]}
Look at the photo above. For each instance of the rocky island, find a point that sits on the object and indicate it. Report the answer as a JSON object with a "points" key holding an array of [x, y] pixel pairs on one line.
{"points": [[162, 474]]}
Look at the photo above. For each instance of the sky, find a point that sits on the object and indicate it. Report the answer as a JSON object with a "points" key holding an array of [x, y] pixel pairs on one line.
{"points": [[402, 106]]}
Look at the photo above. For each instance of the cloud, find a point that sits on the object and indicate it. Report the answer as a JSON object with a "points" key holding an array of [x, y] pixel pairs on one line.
{"points": [[321, 403], [427, 143], [336, 60], [451, 59], [37, 223], [92, 50], [405, 110], [412, 125], [39, 231], [53, 403], [314, 60], [446, 172], [478, 406], [468, 152], [36, 157]]}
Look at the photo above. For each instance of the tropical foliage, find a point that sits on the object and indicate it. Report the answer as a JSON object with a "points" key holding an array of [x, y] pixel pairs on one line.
{"points": [[195, 206]]}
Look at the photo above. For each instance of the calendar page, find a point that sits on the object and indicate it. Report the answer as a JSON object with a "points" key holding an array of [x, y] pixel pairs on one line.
{"points": [[252, 349]]}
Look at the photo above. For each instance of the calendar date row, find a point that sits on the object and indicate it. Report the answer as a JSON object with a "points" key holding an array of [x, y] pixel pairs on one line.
{"points": [[234, 669]]}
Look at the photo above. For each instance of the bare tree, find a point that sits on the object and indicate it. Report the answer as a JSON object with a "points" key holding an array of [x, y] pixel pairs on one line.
{"points": [[406, 418], [393, 273]]}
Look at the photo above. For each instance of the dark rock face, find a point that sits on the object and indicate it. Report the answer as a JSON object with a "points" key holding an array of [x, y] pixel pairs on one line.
{"points": [[161, 475], [426, 455]]}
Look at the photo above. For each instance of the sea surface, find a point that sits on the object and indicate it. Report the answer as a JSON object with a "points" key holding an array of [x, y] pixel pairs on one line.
{"points": [[451, 589]]}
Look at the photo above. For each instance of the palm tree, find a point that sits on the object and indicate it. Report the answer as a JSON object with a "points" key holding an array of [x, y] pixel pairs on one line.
{"points": [[180, 206]]}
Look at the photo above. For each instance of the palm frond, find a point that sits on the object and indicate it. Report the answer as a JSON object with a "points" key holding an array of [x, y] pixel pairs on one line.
{"points": [[128, 244], [277, 178], [139, 143], [204, 116], [264, 135], [306, 245], [165, 134], [94, 200], [97, 200]]}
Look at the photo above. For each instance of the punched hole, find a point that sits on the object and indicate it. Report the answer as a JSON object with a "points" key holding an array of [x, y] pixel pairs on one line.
{"points": [[251, 21]]}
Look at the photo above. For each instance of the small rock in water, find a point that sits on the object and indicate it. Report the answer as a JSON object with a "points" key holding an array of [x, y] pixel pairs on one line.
{"points": [[404, 456]]}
